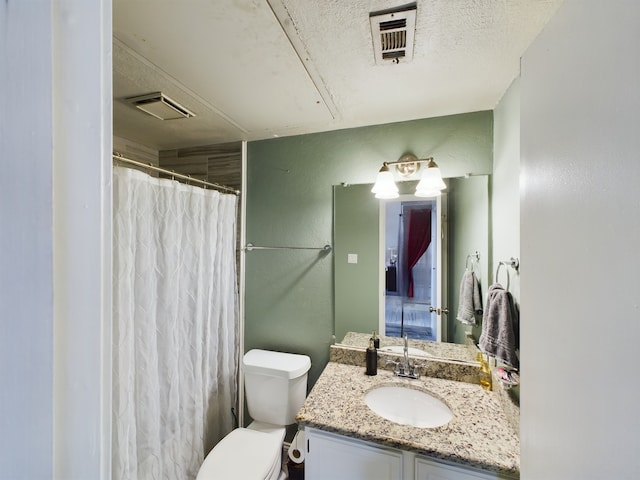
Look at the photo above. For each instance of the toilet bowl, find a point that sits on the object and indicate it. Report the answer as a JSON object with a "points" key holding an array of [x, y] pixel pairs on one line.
{"points": [[275, 385], [244, 454]]}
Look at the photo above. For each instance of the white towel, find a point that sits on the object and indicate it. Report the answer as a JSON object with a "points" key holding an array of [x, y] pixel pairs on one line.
{"points": [[470, 301], [500, 326]]}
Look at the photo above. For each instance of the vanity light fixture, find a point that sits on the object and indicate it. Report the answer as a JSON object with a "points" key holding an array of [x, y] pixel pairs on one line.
{"points": [[430, 184], [385, 187]]}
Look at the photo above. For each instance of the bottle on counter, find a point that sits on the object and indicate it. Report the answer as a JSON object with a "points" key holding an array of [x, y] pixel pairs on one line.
{"points": [[372, 359], [485, 372]]}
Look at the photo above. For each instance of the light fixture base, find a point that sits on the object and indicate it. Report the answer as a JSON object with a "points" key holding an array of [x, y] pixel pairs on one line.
{"points": [[407, 165], [430, 184]]}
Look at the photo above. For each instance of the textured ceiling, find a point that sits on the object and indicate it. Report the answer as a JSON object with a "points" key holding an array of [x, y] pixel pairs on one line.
{"points": [[254, 69]]}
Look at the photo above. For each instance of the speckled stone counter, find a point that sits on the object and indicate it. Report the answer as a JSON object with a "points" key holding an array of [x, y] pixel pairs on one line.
{"points": [[478, 435], [435, 350], [430, 367]]}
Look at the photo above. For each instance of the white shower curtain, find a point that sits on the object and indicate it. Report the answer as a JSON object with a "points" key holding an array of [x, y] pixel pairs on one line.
{"points": [[175, 337]]}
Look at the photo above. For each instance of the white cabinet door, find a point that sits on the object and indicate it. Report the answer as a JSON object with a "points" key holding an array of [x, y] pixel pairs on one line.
{"points": [[334, 457], [430, 470]]}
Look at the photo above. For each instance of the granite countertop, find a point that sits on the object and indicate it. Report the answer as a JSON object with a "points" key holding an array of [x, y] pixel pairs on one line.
{"points": [[442, 350], [478, 436]]}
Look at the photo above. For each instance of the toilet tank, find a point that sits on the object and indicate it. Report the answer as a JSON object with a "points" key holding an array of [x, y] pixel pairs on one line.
{"points": [[275, 385]]}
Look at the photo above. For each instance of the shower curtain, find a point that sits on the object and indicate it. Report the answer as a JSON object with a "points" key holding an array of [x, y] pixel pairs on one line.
{"points": [[175, 337]]}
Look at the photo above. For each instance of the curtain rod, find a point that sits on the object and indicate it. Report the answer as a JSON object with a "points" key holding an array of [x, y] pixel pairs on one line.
{"points": [[121, 158]]}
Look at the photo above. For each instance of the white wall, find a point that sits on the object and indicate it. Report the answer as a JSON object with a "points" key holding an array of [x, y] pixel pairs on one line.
{"points": [[26, 249], [55, 246], [580, 220], [82, 99]]}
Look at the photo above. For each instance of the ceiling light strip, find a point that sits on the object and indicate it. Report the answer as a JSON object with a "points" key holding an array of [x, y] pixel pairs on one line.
{"points": [[289, 28]]}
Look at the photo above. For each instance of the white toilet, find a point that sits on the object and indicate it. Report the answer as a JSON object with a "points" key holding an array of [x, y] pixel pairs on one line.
{"points": [[275, 389]]}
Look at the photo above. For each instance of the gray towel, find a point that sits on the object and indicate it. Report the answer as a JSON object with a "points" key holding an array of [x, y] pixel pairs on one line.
{"points": [[470, 301], [500, 326]]}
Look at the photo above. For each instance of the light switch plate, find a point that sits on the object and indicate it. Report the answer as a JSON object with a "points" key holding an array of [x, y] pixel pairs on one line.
{"points": [[352, 258]]}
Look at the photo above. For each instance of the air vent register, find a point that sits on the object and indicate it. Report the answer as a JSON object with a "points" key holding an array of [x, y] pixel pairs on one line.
{"points": [[393, 33], [160, 106]]}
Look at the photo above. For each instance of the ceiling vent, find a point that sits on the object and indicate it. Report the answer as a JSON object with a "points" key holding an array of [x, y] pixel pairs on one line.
{"points": [[393, 32], [160, 106]]}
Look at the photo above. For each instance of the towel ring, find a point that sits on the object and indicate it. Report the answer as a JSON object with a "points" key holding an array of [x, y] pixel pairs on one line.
{"points": [[498, 272], [474, 257]]}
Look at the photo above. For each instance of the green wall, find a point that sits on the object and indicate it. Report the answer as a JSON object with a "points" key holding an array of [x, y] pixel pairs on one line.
{"points": [[469, 221], [356, 285], [289, 195]]}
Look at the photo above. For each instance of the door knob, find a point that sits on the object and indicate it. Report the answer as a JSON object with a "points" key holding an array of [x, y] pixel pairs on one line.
{"points": [[439, 311]]}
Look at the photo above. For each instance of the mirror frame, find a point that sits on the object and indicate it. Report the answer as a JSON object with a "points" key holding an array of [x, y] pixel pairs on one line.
{"points": [[468, 210]]}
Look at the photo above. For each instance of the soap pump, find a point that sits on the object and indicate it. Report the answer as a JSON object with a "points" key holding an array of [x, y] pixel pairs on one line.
{"points": [[376, 340], [372, 359]]}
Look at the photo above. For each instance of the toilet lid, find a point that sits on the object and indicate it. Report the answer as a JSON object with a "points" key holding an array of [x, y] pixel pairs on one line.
{"points": [[245, 454]]}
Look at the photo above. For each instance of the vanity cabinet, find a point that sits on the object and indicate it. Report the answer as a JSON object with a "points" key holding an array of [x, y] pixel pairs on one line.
{"points": [[426, 469], [331, 456], [335, 457]]}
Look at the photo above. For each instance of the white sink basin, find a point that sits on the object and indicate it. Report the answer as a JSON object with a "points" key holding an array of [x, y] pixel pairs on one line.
{"points": [[416, 352], [408, 406]]}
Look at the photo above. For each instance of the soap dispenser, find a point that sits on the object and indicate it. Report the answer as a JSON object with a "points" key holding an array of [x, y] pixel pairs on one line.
{"points": [[372, 359]]}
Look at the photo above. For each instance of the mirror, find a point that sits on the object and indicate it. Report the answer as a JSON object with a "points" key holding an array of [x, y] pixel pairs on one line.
{"points": [[359, 274]]}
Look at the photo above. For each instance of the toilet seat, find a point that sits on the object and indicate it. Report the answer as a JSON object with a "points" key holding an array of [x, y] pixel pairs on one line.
{"points": [[244, 453]]}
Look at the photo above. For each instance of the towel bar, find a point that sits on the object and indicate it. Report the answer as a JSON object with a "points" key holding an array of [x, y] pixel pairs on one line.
{"points": [[250, 247]]}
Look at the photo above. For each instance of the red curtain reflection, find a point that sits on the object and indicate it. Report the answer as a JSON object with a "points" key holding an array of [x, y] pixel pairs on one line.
{"points": [[418, 241]]}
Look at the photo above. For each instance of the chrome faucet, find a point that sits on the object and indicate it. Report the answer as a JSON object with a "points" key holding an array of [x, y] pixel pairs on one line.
{"points": [[405, 365], [405, 369]]}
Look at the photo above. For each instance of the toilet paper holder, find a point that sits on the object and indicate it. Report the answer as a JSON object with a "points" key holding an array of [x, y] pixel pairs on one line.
{"points": [[297, 447]]}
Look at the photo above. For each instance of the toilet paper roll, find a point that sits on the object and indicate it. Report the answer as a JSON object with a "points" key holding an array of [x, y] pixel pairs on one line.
{"points": [[296, 449]]}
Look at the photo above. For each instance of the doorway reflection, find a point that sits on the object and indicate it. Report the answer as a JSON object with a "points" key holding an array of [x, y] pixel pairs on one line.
{"points": [[411, 263]]}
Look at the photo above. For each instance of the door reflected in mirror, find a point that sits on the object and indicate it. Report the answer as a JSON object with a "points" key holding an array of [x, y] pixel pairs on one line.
{"points": [[411, 259]]}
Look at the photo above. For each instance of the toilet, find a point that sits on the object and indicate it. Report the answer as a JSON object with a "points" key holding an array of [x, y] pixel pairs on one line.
{"points": [[275, 389]]}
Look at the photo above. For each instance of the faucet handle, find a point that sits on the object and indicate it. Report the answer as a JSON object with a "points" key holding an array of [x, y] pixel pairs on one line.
{"points": [[395, 363], [417, 366]]}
